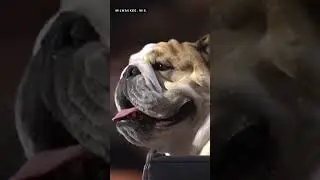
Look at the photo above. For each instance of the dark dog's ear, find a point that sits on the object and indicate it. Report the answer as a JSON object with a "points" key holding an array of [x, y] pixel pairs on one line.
{"points": [[203, 46]]}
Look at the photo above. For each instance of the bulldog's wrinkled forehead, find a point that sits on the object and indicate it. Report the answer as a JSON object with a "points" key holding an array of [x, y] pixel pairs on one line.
{"points": [[139, 60], [169, 49], [142, 54], [139, 57]]}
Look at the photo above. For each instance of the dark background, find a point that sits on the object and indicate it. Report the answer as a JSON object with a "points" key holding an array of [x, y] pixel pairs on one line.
{"points": [[21, 21]]}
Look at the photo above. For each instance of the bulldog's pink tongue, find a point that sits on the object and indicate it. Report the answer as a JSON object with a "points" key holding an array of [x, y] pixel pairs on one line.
{"points": [[131, 112]]}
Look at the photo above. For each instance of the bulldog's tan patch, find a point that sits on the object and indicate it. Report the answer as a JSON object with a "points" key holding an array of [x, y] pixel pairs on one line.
{"points": [[186, 62]]}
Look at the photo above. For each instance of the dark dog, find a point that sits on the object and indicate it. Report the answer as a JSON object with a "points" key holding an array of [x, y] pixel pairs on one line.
{"points": [[265, 72]]}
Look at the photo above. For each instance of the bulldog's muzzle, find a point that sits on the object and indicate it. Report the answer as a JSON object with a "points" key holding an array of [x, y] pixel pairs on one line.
{"points": [[135, 90]]}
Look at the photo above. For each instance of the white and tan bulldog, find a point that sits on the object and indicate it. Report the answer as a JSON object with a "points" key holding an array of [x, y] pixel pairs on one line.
{"points": [[163, 98]]}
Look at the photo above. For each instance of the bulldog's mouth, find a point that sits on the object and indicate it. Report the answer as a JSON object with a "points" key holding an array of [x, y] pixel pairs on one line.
{"points": [[131, 113]]}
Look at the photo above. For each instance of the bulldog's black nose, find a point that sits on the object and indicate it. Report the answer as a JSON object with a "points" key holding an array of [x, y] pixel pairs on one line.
{"points": [[131, 71]]}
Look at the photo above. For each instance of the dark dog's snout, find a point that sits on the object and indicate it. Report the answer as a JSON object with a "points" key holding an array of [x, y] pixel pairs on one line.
{"points": [[131, 71]]}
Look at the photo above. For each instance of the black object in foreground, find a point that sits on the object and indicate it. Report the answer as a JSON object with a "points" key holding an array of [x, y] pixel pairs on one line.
{"points": [[177, 168]]}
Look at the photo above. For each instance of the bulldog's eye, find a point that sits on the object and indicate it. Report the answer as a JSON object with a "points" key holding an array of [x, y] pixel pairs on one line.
{"points": [[161, 67]]}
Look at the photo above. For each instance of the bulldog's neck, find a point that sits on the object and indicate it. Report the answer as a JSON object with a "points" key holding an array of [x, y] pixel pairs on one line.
{"points": [[196, 142], [201, 139], [201, 142], [190, 143]]}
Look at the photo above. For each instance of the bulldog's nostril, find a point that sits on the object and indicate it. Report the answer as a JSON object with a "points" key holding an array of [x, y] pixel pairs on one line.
{"points": [[132, 71]]}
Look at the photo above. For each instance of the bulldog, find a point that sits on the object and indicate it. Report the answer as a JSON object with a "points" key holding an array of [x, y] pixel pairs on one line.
{"points": [[163, 98]]}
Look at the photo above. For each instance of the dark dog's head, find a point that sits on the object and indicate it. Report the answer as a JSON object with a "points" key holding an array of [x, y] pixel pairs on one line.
{"points": [[163, 94]]}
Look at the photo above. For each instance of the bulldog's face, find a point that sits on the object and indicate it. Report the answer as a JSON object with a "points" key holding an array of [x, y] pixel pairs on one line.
{"points": [[163, 94]]}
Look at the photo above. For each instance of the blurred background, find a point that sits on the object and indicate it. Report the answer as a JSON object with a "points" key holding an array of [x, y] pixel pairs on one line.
{"points": [[184, 20]]}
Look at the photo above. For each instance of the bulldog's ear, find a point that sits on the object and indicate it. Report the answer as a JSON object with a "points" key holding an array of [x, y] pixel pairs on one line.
{"points": [[203, 46]]}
